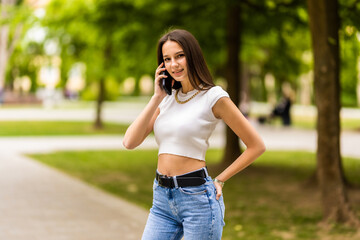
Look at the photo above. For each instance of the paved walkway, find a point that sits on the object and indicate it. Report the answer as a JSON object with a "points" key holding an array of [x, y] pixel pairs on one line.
{"points": [[41, 203]]}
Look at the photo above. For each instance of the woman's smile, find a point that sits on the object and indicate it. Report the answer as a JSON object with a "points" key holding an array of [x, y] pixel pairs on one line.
{"points": [[178, 73]]}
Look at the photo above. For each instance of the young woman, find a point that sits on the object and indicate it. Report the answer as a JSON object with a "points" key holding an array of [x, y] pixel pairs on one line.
{"points": [[186, 201]]}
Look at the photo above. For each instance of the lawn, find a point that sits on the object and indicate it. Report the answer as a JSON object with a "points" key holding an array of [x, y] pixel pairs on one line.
{"points": [[269, 201], [308, 122], [55, 128], [351, 124]]}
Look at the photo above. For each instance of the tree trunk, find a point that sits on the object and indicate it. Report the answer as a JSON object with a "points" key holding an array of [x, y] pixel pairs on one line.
{"points": [[324, 26], [102, 90], [6, 49], [4, 35], [99, 104], [358, 83], [232, 148]]}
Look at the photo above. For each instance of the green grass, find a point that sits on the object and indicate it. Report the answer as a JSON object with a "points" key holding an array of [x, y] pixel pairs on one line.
{"points": [[48, 128], [57, 128], [310, 123], [267, 201]]}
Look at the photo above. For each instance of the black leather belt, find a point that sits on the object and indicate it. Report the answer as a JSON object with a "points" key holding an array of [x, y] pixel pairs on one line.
{"points": [[191, 179]]}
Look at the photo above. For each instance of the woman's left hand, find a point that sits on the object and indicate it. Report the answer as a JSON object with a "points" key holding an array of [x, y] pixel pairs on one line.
{"points": [[218, 188]]}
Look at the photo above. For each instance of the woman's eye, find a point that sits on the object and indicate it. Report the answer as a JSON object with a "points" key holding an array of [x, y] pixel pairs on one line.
{"points": [[180, 55], [166, 59]]}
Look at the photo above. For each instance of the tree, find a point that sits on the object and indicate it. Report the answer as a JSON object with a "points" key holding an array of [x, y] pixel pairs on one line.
{"points": [[233, 30], [324, 26], [102, 34], [10, 32]]}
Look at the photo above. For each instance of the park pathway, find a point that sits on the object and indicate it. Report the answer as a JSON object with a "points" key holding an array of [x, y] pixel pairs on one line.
{"points": [[41, 203]]}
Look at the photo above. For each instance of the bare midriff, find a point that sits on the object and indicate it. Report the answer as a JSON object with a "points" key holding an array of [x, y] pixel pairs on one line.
{"points": [[173, 165]]}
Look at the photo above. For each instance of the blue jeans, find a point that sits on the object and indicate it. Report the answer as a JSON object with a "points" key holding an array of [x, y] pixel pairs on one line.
{"points": [[192, 212]]}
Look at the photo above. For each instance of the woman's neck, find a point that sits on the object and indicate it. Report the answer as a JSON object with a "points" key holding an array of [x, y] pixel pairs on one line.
{"points": [[186, 87]]}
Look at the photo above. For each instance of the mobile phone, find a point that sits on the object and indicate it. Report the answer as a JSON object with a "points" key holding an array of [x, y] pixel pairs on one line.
{"points": [[167, 82]]}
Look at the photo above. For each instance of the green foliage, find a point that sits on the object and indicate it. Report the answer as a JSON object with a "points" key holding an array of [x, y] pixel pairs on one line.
{"points": [[111, 87], [349, 13], [274, 39], [19, 19], [349, 74], [107, 35], [117, 39], [350, 55], [25, 61]]}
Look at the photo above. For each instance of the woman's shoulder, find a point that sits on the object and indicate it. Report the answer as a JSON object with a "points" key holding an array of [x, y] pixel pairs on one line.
{"points": [[215, 93]]}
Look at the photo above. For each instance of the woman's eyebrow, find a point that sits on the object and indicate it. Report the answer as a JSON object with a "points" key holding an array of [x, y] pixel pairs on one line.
{"points": [[175, 53]]}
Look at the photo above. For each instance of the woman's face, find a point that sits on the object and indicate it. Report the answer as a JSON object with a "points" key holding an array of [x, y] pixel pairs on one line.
{"points": [[175, 61]]}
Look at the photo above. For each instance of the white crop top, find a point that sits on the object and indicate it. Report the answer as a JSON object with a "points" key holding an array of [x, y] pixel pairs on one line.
{"points": [[184, 129]]}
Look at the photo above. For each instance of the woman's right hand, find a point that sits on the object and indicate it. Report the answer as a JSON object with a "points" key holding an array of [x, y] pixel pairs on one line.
{"points": [[158, 90]]}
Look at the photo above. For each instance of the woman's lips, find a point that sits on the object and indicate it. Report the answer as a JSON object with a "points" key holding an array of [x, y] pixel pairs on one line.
{"points": [[178, 72]]}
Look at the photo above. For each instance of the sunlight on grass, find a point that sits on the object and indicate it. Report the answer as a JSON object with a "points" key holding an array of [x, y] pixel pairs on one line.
{"points": [[308, 122], [49, 128], [266, 201]]}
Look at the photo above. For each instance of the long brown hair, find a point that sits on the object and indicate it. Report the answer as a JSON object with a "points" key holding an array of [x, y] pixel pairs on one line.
{"points": [[197, 68]]}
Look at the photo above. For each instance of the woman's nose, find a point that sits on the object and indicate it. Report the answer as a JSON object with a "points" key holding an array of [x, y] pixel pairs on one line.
{"points": [[174, 63]]}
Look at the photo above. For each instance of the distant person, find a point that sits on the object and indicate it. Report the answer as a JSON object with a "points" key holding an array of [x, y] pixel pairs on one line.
{"points": [[183, 113], [282, 109]]}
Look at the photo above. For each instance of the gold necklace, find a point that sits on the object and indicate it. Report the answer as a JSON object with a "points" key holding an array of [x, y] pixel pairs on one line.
{"points": [[182, 102]]}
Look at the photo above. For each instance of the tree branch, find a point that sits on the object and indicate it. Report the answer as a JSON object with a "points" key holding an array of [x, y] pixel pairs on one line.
{"points": [[16, 37]]}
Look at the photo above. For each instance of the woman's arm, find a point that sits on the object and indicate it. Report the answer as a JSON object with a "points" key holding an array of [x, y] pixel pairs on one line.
{"points": [[144, 123], [231, 115]]}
